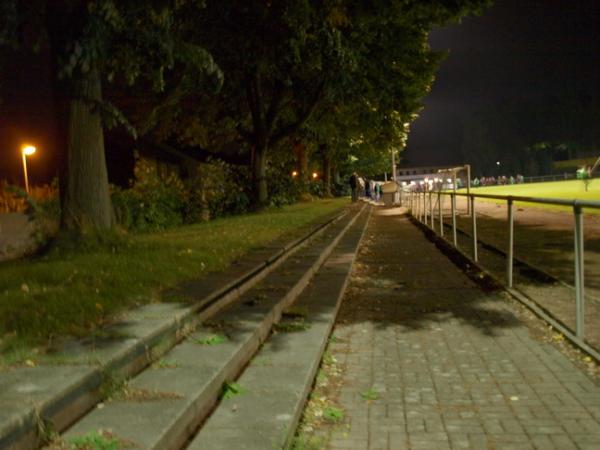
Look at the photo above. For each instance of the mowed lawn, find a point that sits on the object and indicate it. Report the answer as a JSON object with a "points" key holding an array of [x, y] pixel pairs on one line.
{"points": [[76, 292], [571, 189]]}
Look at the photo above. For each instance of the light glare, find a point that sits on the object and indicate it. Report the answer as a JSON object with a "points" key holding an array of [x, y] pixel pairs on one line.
{"points": [[28, 149]]}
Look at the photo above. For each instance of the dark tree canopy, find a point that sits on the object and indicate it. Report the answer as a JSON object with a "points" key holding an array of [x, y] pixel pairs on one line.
{"points": [[91, 42], [344, 78]]}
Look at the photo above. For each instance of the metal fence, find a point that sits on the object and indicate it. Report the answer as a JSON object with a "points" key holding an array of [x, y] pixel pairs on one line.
{"points": [[544, 178], [422, 206]]}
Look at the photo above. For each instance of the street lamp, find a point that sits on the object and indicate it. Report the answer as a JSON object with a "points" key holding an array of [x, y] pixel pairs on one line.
{"points": [[26, 150]]}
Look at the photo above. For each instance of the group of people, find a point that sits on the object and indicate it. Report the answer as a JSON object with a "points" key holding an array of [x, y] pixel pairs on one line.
{"points": [[360, 186], [501, 180]]}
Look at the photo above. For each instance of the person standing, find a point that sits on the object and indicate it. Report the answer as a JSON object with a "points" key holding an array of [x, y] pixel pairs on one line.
{"points": [[353, 181]]}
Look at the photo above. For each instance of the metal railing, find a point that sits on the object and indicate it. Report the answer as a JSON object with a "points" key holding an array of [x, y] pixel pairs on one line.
{"points": [[421, 206], [546, 178]]}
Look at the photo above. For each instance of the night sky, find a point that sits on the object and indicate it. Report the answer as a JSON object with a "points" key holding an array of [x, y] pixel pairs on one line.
{"points": [[516, 50]]}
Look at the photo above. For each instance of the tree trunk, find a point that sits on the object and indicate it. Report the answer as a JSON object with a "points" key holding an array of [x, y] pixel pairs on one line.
{"points": [[87, 204], [326, 174], [259, 175], [301, 156]]}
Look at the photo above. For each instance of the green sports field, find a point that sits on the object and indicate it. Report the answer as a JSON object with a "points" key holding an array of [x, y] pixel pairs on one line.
{"points": [[555, 189], [571, 189]]}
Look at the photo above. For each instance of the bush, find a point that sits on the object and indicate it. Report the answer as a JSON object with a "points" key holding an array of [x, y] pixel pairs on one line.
{"points": [[153, 202], [340, 189], [153, 208], [226, 188], [315, 188], [283, 189]]}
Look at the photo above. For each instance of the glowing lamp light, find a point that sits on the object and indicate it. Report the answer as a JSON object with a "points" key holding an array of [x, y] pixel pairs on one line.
{"points": [[315, 175], [294, 173], [26, 150], [497, 163]]}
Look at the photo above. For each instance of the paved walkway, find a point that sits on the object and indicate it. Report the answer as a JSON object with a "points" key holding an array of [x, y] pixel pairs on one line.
{"points": [[422, 358]]}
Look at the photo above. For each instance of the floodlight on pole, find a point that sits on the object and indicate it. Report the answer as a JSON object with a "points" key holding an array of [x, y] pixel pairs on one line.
{"points": [[26, 150]]}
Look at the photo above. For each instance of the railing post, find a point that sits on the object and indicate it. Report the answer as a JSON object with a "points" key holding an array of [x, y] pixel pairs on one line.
{"points": [[431, 210], [413, 206], [579, 279], [416, 204], [440, 214], [509, 253], [454, 220], [424, 207], [474, 227]]}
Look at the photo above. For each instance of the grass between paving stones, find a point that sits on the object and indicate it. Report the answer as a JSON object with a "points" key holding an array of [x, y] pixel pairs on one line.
{"points": [[333, 414], [231, 389], [165, 364], [322, 411], [75, 292], [306, 443], [291, 326], [214, 339], [94, 440], [370, 394]]}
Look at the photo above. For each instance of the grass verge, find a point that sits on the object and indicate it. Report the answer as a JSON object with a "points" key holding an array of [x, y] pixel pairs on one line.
{"points": [[76, 292]]}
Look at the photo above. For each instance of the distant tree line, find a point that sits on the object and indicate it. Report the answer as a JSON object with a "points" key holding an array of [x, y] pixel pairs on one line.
{"points": [[340, 80], [529, 135]]}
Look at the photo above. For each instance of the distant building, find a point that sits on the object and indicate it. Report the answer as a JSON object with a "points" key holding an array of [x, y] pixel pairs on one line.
{"points": [[418, 173]]}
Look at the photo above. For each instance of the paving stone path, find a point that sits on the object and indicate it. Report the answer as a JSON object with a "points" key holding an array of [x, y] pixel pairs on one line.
{"points": [[427, 360]]}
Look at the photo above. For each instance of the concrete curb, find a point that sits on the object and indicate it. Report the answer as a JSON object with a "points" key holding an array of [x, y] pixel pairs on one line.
{"points": [[267, 416], [212, 366], [27, 419]]}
